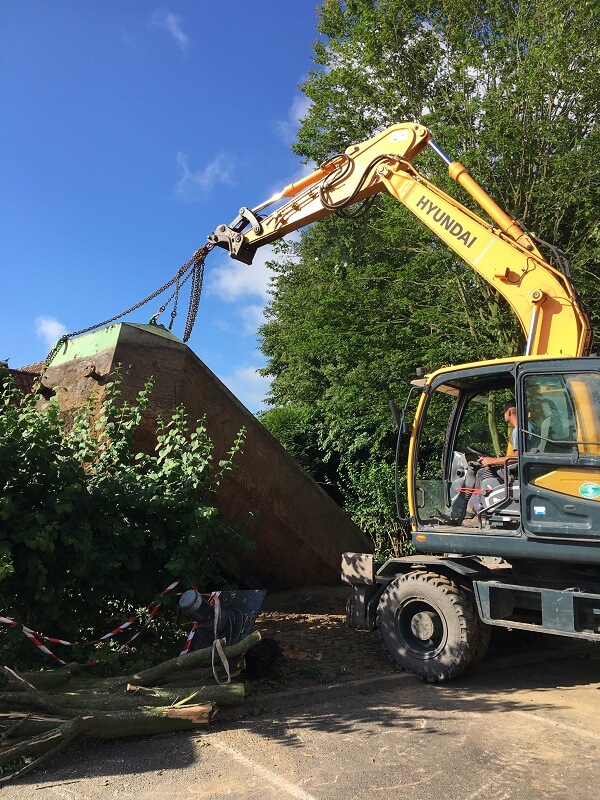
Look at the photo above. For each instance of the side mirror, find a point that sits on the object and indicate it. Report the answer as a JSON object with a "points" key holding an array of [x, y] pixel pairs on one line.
{"points": [[396, 414], [399, 419]]}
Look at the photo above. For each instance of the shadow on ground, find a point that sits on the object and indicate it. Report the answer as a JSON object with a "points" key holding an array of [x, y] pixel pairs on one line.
{"points": [[406, 707]]}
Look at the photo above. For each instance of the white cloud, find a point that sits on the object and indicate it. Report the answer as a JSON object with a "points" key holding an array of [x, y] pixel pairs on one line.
{"points": [[248, 386], [231, 280], [171, 23], [49, 329], [192, 185], [224, 325], [252, 317], [288, 127]]}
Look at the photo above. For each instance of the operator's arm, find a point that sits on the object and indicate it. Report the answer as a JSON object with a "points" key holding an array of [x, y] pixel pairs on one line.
{"points": [[490, 461]]}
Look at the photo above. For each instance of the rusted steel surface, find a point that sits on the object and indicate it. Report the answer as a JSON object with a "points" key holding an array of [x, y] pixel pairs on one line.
{"points": [[300, 532]]}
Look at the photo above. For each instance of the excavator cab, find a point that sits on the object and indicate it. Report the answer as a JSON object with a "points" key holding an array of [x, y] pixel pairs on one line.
{"points": [[461, 420], [548, 490]]}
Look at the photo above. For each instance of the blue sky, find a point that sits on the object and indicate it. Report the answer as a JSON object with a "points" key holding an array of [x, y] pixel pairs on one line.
{"points": [[129, 131]]}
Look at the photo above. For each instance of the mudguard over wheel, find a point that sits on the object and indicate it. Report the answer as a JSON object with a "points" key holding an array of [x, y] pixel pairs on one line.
{"points": [[428, 625]]}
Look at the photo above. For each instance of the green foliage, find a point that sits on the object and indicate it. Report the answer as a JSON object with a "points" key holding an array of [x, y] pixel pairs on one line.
{"points": [[369, 492], [90, 528], [297, 429], [511, 90]]}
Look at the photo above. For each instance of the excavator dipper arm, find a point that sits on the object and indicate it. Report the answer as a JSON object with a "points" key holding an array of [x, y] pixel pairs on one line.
{"points": [[502, 252], [342, 181]]}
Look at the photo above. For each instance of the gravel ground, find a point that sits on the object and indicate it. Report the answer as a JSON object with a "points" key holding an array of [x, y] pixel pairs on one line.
{"points": [[317, 646]]}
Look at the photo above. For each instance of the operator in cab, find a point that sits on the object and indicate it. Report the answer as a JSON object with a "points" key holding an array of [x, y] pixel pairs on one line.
{"points": [[510, 417]]}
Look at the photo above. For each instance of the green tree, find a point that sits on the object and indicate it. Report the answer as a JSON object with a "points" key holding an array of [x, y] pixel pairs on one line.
{"points": [[297, 429], [511, 89]]}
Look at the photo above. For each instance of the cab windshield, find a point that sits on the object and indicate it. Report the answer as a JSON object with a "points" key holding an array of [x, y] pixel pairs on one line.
{"points": [[563, 412]]}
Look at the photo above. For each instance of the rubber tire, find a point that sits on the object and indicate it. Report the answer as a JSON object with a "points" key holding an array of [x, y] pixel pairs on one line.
{"points": [[456, 643], [484, 632], [482, 643]]}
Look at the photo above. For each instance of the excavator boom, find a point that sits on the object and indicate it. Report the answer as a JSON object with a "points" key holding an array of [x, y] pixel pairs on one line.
{"points": [[502, 252]]}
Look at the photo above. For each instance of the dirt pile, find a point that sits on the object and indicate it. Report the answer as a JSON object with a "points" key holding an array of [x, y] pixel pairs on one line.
{"points": [[317, 646]]}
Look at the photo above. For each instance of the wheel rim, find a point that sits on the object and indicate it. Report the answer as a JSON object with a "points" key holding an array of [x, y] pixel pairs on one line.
{"points": [[421, 628]]}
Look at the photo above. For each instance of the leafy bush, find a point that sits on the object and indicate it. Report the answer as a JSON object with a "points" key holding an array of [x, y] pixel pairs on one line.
{"points": [[89, 528]]}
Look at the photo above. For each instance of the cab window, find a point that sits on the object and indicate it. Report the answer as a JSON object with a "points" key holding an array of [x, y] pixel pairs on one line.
{"points": [[564, 411], [482, 428], [429, 478]]}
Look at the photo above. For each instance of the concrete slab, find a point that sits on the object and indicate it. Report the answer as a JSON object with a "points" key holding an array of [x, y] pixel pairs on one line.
{"points": [[300, 532]]}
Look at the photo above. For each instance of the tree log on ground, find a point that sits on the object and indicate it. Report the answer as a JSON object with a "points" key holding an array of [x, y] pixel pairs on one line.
{"points": [[42, 713]]}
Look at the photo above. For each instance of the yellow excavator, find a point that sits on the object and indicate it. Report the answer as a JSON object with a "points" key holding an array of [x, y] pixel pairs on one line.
{"points": [[511, 540]]}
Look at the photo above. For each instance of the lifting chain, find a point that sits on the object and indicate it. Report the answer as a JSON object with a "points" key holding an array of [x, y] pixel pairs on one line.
{"points": [[194, 269]]}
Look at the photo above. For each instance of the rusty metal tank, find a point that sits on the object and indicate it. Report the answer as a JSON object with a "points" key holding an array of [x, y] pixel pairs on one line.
{"points": [[300, 532]]}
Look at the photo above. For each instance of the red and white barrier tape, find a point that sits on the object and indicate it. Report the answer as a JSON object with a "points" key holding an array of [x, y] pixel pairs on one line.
{"points": [[188, 641], [37, 638]]}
